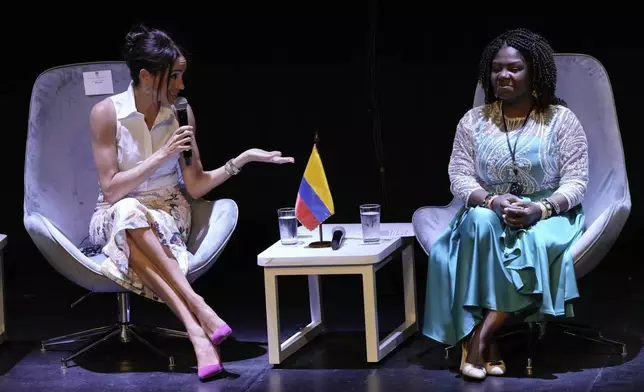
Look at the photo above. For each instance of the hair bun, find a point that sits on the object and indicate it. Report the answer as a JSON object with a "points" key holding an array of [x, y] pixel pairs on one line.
{"points": [[134, 35]]}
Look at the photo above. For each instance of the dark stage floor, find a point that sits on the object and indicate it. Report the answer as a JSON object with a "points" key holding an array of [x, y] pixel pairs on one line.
{"points": [[38, 307]]}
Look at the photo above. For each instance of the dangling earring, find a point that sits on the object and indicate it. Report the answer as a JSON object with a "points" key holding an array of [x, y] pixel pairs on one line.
{"points": [[147, 90], [534, 93]]}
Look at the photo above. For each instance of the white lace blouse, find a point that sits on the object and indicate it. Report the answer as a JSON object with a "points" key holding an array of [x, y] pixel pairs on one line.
{"points": [[551, 153]]}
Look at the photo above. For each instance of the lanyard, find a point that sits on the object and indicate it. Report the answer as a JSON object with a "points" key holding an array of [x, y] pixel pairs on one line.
{"points": [[516, 188]]}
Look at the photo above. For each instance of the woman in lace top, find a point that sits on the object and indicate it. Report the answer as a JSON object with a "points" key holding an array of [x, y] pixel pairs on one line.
{"points": [[520, 166]]}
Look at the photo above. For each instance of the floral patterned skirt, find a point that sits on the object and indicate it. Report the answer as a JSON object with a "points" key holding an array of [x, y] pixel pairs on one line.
{"points": [[165, 211]]}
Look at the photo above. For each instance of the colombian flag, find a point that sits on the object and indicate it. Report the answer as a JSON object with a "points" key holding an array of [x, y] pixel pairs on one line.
{"points": [[314, 202]]}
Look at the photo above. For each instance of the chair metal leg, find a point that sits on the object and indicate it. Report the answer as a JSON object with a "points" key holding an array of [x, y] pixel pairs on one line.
{"points": [[447, 350], [75, 337], [165, 332], [582, 332], [124, 329], [514, 332], [125, 333], [537, 332], [115, 330], [131, 330]]}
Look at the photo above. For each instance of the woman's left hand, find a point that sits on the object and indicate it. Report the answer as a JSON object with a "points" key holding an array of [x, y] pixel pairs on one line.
{"points": [[522, 214], [259, 155]]}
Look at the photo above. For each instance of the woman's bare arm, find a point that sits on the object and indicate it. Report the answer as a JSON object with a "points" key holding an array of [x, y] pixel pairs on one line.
{"points": [[116, 184]]}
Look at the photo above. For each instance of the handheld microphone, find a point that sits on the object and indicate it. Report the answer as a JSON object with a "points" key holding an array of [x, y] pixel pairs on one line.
{"points": [[181, 104], [338, 237]]}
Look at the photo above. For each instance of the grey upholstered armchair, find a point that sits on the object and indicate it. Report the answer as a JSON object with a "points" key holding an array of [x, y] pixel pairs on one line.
{"points": [[60, 195], [584, 84]]}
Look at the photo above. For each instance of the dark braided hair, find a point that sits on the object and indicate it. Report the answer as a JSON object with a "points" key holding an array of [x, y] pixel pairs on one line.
{"points": [[541, 63]]}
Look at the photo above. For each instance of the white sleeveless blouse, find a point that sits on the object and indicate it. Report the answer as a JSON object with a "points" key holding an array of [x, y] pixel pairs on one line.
{"points": [[135, 142]]}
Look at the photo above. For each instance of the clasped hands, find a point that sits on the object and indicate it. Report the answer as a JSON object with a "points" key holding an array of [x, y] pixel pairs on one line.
{"points": [[516, 212]]}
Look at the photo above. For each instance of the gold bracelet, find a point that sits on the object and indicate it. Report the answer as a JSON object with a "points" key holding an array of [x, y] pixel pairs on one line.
{"points": [[486, 202], [548, 206], [544, 210]]}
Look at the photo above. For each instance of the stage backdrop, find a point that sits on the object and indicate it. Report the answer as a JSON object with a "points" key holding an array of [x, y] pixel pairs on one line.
{"points": [[385, 106]]}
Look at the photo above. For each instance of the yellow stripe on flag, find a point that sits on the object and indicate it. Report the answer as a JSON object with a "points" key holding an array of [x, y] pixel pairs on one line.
{"points": [[315, 176]]}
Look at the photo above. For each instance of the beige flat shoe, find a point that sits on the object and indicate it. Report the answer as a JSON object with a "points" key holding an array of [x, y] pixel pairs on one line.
{"points": [[496, 368], [467, 369]]}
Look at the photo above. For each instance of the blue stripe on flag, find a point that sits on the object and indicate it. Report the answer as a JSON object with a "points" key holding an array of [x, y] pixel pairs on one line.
{"points": [[315, 204]]}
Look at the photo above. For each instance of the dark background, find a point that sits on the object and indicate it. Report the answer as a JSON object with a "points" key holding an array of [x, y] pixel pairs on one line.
{"points": [[270, 81]]}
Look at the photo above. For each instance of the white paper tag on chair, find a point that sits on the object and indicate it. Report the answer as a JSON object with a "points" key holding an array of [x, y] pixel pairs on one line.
{"points": [[98, 82]]}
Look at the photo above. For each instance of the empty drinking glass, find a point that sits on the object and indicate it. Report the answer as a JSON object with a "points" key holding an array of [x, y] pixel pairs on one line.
{"points": [[288, 225], [370, 219]]}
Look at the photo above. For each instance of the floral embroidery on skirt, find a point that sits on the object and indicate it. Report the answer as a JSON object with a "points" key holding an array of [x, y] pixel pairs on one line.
{"points": [[165, 211]]}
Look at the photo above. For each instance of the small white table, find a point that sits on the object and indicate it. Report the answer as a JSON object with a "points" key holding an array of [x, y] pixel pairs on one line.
{"points": [[354, 257], [3, 328]]}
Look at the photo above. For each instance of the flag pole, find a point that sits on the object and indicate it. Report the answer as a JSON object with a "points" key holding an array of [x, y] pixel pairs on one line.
{"points": [[321, 243]]}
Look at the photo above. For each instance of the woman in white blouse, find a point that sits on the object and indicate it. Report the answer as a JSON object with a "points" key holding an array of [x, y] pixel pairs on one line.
{"points": [[142, 220]]}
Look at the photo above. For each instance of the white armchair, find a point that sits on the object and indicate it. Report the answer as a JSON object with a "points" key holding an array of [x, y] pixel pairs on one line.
{"points": [[60, 195], [584, 84]]}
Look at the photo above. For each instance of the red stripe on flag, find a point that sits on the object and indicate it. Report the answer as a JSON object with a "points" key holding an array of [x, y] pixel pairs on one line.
{"points": [[304, 214]]}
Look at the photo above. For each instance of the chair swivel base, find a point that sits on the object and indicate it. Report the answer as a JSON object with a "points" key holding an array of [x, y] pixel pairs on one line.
{"points": [[124, 329], [537, 330], [126, 332]]}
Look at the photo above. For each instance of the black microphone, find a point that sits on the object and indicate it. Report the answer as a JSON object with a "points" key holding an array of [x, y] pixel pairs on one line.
{"points": [[181, 104], [338, 237]]}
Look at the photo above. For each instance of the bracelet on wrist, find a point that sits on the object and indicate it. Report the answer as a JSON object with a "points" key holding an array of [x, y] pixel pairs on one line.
{"points": [[556, 209], [231, 169], [544, 210], [548, 206], [486, 202], [491, 202]]}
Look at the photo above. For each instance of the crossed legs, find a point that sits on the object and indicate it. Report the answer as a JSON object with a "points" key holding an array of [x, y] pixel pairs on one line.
{"points": [[159, 271], [482, 345]]}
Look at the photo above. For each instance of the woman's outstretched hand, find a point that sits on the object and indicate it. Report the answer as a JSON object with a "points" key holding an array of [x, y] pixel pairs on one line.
{"points": [[259, 155]]}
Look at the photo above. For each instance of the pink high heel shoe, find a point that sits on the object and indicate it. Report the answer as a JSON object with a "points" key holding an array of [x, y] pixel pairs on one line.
{"points": [[209, 371], [220, 334]]}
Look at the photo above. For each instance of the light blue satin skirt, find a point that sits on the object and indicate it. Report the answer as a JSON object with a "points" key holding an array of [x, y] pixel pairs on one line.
{"points": [[481, 263]]}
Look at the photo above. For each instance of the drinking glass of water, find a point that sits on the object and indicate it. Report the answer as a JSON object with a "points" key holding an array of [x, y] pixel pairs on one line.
{"points": [[287, 225], [370, 219]]}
